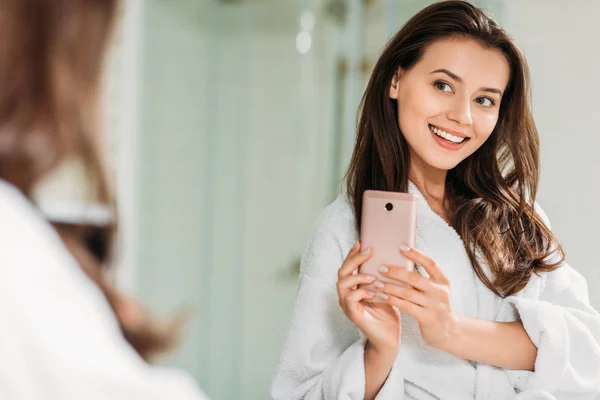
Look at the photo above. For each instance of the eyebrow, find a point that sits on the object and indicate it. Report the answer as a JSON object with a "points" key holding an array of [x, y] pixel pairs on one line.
{"points": [[460, 80]]}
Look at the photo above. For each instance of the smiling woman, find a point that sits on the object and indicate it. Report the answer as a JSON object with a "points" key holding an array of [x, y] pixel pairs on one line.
{"points": [[494, 312], [450, 100]]}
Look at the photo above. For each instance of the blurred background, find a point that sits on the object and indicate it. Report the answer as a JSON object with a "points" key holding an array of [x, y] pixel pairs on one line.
{"points": [[232, 122]]}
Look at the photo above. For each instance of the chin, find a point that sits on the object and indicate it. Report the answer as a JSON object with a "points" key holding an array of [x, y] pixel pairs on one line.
{"points": [[443, 164]]}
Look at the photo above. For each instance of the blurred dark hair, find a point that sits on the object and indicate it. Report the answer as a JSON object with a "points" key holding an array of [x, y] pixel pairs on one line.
{"points": [[51, 61], [491, 194]]}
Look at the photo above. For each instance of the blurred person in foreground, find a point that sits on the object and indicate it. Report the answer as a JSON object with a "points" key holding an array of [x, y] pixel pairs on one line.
{"points": [[67, 333]]}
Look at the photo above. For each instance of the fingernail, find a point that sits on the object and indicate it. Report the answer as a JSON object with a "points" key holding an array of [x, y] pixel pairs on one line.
{"points": [[355, 245], [371, 294], [383, 269], [365, 251], [405, 249], [370, 278], [378, 284], [382, 295]]}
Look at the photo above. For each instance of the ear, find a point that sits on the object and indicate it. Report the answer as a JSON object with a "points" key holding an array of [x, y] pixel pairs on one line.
{"points": [[395, 85]]}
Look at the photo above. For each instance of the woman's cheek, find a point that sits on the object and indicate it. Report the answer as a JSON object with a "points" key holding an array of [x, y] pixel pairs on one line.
{"points": [[435, 105], [486, 125]]}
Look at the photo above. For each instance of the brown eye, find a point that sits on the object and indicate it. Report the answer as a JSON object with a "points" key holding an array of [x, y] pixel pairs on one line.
{"points": [[485, 101], [443, 86]]}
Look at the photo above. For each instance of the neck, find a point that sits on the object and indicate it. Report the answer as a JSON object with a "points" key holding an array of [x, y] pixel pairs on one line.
{"points": [[431, 182]]}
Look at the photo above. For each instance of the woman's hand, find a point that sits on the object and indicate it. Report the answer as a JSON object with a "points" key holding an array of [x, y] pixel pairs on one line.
{"points": [[378, 321], [427, 300]]}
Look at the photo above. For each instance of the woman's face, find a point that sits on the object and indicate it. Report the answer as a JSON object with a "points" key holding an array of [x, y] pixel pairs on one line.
{"points": [[448, 103]]}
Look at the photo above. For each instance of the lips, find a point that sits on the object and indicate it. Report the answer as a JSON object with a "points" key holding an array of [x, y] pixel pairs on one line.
{"points": [[446, 140], [450, 136]]}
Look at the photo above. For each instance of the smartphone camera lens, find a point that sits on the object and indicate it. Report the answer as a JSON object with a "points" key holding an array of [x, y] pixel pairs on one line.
{"points": [[389, 206]]}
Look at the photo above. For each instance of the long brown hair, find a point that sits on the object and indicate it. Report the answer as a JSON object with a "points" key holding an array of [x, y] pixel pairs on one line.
{"points": [[491, 194], [51, 62]]}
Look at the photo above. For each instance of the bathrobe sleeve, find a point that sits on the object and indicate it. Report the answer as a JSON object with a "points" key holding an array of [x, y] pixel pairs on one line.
{"points": [[566, 330], [323, 356]]}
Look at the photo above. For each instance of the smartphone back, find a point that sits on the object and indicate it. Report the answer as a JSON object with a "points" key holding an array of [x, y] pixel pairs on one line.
{"points": [[389, 220]]}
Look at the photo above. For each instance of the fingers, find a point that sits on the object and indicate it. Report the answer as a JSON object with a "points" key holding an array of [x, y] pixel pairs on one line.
{"points": [[409, 277], [350, 302], [347, 283], [435, 272], [353, 261], [409, 308], [435, 291], [355, 249], [406, 293], [355, 296]]}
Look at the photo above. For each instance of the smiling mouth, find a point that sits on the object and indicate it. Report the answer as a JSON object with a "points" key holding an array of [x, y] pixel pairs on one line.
{"points": [[453, 139]]}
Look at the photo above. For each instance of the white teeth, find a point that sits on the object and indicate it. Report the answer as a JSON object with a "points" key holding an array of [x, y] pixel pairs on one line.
{"points": [[447, 136]]}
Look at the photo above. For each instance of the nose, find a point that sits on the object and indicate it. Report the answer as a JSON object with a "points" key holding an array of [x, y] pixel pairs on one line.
{"points": [[461, 113]]}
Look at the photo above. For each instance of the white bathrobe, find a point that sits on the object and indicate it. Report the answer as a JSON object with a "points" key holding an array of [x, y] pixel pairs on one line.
{"points": [[59, 339], [323, 357]]}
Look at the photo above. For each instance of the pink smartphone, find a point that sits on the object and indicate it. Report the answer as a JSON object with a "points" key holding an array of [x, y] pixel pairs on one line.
{"points": [[389, 220]]}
